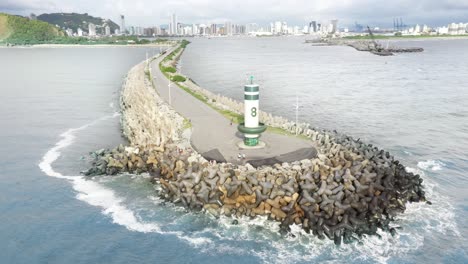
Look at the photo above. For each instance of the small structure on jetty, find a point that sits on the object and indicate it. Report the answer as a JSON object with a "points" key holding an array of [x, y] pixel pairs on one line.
{"points": [[251, 128], [370, 45], [345, 190]]}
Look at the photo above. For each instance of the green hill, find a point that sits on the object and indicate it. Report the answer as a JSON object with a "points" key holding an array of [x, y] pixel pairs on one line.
{"points": [[20, 30], [75, 21]]}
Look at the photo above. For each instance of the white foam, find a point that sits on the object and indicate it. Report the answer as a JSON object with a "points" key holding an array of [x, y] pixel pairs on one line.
{"points": [[419, 221], [297, 247], [90, 191], [434, 165], [97, 195]]}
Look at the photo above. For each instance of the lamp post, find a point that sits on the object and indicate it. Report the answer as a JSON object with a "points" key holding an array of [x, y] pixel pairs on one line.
{"points": [[169, 86], [296, 108]]}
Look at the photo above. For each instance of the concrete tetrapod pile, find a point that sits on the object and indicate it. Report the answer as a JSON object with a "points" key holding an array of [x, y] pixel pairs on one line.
{"points": [[350, 189]]}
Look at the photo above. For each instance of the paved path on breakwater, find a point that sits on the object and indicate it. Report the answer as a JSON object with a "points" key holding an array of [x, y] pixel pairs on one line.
{"points": [[216, 139]]}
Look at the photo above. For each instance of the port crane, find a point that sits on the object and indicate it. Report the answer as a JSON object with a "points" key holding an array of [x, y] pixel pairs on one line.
{"points": [[376, 46]]}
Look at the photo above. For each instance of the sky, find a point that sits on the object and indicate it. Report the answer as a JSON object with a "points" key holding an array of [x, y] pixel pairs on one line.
{"points": [[300, 12]]}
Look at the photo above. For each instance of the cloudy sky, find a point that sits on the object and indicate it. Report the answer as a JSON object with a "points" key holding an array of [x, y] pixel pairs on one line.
{"points": [[298, 12]]}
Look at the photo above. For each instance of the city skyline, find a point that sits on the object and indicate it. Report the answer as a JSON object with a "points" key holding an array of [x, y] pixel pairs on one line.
{"points": [[147, 13]]}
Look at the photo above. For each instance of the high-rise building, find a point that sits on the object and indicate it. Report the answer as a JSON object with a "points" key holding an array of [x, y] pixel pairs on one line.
{"points": [[313, 26], [108, 30], [278, 27], [79, 31], [417, 29], [334, 24], [228, 29], [123, 30], [91, 29], [214, 29], [453, 29], [284, 28], [173, 25], [461, 29], [69, 32], [252, 27]]}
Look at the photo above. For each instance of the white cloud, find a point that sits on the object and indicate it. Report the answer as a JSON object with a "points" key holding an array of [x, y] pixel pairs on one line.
{"points": [[150, 12]]}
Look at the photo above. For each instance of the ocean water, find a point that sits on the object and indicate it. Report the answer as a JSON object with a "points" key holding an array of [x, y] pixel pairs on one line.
{"points": [[58, 104]]}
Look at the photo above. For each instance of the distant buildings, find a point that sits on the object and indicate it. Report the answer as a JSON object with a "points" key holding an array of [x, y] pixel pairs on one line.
{"points": [[312, 27], [173, 25], [69, 32], [450, 29], [334, 24], [228, 30], [107, 30], [123, 30], [91, 30], [252, 27]]}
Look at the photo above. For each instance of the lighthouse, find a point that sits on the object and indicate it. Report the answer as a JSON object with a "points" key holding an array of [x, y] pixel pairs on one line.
{"points": [[251, 128]]}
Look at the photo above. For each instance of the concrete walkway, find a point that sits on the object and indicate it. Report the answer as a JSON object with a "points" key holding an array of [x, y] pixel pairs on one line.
{"points": [[215, 138]]}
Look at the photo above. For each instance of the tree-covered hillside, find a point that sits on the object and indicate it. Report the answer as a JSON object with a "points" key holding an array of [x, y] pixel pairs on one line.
{"points": [[20, 30], [75, 21]]}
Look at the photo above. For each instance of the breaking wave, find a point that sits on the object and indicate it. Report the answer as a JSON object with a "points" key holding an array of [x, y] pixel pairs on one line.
{"points": [[260, 236], [431, 165]]}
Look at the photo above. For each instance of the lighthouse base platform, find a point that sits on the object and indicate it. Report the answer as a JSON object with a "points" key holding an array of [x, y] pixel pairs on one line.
{"points": [[260, 145]]}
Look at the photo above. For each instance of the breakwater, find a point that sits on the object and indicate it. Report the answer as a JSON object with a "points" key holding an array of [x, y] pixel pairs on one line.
{"points": [[350, 189], [365, 45]]}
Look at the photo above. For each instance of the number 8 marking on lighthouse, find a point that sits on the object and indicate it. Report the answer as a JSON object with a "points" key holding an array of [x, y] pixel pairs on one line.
{"points": [[253, 112]]}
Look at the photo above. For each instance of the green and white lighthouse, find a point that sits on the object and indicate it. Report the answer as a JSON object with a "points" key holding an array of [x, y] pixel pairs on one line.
{"points": [[251, 128]]}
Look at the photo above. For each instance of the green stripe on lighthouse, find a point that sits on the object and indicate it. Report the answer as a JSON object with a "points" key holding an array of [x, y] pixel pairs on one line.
{"points": [[250, 97], [250, 88]]}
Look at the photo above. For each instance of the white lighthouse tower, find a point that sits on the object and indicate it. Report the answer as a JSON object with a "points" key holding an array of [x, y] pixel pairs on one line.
{"points": [[251, 128]]}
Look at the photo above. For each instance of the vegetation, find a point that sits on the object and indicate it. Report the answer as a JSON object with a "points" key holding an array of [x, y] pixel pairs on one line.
{"points": [[184, 43], [4, 29], [187, 124], [161, 40], [178, 78], [17, 30], [169, 69], [20, 30], [194, 94], [230, 115], [75, 21]]}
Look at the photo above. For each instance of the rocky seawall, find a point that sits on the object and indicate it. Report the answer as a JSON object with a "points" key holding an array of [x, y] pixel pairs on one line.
{"points": [[350, 189], [371, 46]]}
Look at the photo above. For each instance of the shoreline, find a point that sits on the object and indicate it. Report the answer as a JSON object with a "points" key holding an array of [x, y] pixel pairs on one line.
{"points": [[86, 46], [349, 190], [381, 37]]}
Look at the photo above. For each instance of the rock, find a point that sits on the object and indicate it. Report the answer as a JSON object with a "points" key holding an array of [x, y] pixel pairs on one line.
{"points": [[350, 188], [249, 167], [278, 212]]}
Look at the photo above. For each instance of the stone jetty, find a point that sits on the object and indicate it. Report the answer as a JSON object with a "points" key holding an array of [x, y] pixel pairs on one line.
{"points": [[364, 45], [349, 190]]}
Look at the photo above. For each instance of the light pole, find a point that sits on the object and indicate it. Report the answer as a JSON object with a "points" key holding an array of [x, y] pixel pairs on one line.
{"points": [[179, 67], [169, 86], [296, 107], [146, 58]]}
